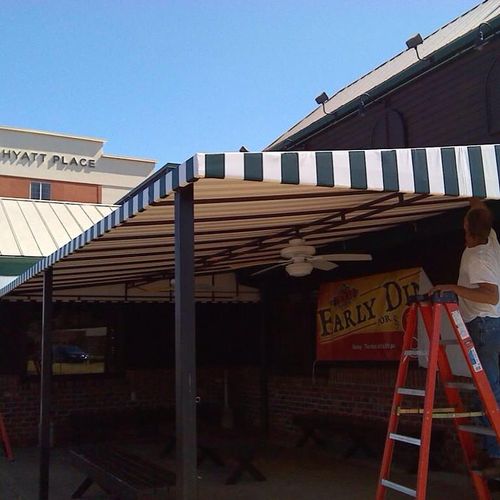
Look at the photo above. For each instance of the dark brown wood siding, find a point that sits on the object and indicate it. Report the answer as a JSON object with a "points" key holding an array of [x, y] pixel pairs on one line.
{"points": [[448, 106]]}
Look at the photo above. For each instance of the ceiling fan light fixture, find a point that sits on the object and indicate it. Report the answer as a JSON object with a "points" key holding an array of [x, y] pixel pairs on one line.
{"points": [[299, 269], [297, 248]]}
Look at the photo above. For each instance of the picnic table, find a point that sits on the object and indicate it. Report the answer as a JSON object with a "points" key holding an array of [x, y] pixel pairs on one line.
{"points": [[225, 447], [121, 474]]}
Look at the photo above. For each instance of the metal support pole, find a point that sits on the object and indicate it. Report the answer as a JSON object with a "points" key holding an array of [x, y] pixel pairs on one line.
{"points": [[45, 387], [185, 345], [264, 365]]}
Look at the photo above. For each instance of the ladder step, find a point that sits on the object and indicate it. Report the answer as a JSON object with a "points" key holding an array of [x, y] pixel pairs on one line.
{"points": [[411, 392], [405, 439], [477, 429], [399, 487], [416, 352], [465, 386], [448, 342]]}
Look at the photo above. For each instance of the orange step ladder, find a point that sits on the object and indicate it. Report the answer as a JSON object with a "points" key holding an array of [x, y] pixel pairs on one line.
{"points": [[431, 309], [4, 437]]}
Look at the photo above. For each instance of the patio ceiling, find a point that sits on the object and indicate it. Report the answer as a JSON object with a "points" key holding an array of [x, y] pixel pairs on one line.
{"points": [[248, 205]]}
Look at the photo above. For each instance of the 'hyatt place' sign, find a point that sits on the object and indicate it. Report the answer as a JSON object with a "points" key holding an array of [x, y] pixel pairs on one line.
{"points": [[29, 157]]}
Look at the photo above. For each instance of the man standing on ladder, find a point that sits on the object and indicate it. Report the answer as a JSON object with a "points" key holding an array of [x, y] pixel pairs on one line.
{"points": [[478, 290]]}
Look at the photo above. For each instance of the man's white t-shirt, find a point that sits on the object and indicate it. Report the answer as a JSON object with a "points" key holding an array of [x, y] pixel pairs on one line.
{"points": [[480, 264]]}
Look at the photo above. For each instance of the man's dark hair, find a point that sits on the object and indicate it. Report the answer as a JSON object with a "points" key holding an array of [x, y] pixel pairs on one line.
{"points": [[479, 221]]}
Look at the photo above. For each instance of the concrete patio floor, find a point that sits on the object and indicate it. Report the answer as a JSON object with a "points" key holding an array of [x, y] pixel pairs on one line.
{"points": [[292, 474]]}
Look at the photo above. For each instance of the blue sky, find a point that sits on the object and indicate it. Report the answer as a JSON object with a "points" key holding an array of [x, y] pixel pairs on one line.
{"points": [[165, 79]]}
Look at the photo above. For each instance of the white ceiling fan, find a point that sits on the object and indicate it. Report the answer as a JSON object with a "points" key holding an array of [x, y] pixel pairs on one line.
{"points": [[300, 259]]}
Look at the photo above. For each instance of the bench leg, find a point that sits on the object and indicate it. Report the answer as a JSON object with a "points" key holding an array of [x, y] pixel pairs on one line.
{"points": [[208, 452], [309, 433], [245, 465], [82, 488], [169, 447]]}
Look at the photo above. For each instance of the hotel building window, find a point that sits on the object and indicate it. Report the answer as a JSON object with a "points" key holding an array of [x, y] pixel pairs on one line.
{"points": [[40, 191]]}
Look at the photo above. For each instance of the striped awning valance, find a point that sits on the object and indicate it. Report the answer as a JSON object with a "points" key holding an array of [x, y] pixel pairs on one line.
{"points": [[456, 171]]}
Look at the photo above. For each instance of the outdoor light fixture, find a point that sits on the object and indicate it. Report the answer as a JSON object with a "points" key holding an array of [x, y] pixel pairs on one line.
{"points": [[362, 104], [414, 42], [482, 31], [321, 99]]}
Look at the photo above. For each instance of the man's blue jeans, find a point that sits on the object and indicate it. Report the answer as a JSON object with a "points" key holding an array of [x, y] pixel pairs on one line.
{"points": [[485, 333]]}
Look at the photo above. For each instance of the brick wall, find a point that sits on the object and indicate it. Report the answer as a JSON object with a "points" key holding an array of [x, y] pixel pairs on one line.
{"points": [[346, 390]]}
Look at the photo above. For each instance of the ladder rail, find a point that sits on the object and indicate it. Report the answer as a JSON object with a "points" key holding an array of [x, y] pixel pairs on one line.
{"points": [[430, 388], [396, 401], [5, 440], [454, 399], [478, 374]]}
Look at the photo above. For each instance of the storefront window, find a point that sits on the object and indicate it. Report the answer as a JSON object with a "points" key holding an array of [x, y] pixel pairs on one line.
{"points": [[86, 338], [74, 351]]}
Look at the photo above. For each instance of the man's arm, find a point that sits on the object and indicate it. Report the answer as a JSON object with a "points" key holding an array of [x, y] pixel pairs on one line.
{"points": [[485, 293]]}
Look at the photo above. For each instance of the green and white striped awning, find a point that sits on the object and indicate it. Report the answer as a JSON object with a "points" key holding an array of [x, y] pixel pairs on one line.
{"points": [[455, 171], [248, 205]]}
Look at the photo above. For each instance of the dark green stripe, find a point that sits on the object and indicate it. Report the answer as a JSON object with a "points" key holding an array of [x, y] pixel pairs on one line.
{"points": [[420, 170], [151, 194], [357, 164], [324, 169], [390, 171], [477, 171], [175, 178], [450, 176], [289, 168], [163, 186], [140, 201], [253, 166], [190, 170], [214, 166]]}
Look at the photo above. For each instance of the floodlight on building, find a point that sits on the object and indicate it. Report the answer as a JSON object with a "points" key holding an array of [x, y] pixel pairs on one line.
{"points": [[363, 98], [413, 43], [483, 30], [322, 99]]}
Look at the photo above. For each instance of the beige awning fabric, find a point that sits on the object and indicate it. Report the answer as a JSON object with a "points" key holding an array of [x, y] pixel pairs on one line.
{"points": [[248, 205], [37, 228]]}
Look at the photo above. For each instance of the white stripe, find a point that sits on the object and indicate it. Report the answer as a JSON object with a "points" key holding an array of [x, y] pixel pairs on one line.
{"points": [[183, 174], [405, 170], [234, 166], [307, 168], [168, 183], [374, 177], [156, 190], [199, 165], [435, 170], [490, 172], [271, 166], [135, 204], [463, 171], [341, 170]]}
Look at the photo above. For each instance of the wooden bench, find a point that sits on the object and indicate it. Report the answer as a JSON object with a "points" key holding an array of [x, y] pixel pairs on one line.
{"points": [[120, 474], [363, 434], [97, 426], [225, 447]]}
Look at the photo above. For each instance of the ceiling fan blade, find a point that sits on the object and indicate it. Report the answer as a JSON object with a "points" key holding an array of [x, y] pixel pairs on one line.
{"points": [[270, 267], [324, 265], [344, 257]]}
